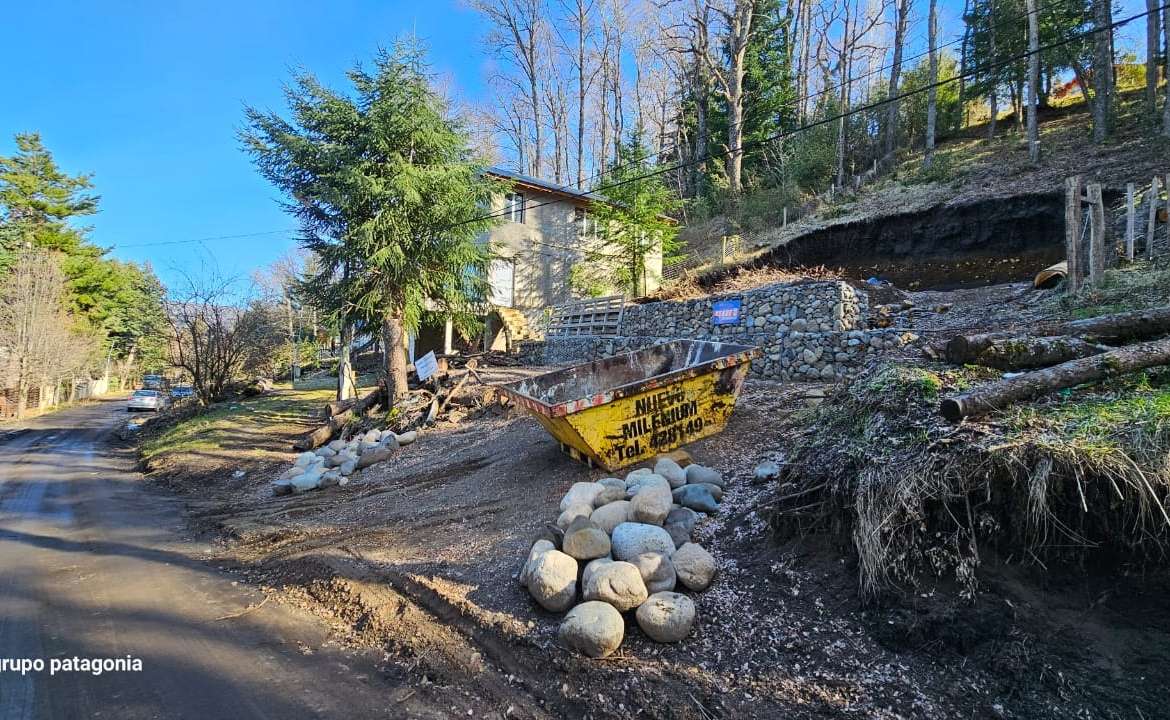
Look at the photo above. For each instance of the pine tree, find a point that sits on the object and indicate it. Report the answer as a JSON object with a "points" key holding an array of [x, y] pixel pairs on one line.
{"points": [[388, 194]]}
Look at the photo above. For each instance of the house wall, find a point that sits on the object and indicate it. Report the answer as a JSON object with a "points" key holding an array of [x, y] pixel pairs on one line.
{"points": [[544, 250]]}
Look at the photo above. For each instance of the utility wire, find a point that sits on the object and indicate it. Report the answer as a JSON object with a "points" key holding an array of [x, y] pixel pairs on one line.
{"points": [[827, 89], [745, 147], [584, 194]]}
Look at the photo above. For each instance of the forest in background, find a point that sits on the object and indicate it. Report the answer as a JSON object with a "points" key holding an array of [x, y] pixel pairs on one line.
{"points": [[750, 105]]}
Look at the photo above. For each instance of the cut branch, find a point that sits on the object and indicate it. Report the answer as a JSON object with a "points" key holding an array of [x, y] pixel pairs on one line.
{"points": [[1003, 393]]}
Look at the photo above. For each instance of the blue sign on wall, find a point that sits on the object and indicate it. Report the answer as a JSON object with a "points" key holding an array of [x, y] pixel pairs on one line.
{"points": [[726, 312]]}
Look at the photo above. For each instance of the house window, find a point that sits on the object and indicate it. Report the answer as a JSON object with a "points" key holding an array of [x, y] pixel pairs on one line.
{"points": [[586, 223], [514, 204]]}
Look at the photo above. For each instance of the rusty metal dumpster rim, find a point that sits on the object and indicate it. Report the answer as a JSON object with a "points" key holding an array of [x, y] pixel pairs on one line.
{"points": [[741, 354]]}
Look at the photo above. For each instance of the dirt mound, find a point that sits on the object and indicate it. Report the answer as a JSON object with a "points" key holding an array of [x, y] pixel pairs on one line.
{"points": [[1080, 476]]}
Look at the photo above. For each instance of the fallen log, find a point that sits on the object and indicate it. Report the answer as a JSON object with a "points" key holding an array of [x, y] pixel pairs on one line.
{"points": [[1003, 393], [324, 433], [337, 406], [1028, 353], [1118, 327]]}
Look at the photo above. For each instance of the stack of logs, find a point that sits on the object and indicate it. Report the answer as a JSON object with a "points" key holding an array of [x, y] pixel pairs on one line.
{"points": [[423, 405], [1057, 356]]}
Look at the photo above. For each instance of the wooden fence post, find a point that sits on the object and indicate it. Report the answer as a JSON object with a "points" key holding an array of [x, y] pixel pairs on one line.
{"points": [[1130, 217], [1151, 221], [1098, 233], [1167, 186], [1072, 233]]}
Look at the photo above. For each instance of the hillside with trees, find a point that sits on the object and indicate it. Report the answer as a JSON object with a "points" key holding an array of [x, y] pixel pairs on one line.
{"points": [[68, 312]]}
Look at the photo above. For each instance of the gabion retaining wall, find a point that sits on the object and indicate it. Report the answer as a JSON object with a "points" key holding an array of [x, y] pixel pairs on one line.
{"points": [[807, 331], [787, 356], [780, 307]]}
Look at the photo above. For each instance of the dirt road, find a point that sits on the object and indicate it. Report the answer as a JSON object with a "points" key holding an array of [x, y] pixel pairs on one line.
{"points": [[95, 565]]}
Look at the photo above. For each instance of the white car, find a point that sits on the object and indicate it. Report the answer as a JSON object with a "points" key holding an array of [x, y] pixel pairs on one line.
{"points": [[147, 400]]}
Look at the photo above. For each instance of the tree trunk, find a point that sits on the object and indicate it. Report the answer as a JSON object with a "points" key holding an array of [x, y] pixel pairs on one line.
{"points": [[1166, 69], [346, 381], [1026, 353], [901, 17], [1003, 393], [961, 119], [322, 434], [1033, 81], [1153, 35], [932, 93], [1120, 327], [395, 356], [991, 21], [1102, 71], [582, 90]]}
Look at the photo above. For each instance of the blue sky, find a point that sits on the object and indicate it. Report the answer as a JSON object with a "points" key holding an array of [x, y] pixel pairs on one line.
{"points": [[148, 97]]}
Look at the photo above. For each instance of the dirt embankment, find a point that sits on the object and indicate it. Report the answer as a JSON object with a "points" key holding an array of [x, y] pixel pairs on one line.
{"points": [[419, 556]]}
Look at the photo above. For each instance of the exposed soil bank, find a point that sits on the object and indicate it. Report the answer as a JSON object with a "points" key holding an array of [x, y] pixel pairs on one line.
{"points": [[946, 247]]}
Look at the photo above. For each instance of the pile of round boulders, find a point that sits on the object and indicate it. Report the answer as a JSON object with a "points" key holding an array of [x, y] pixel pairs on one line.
{"points": [[332, 464], [622, 546]]}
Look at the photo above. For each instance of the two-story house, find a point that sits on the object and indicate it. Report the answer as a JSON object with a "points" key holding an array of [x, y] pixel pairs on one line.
{"points": [[544, 231]]}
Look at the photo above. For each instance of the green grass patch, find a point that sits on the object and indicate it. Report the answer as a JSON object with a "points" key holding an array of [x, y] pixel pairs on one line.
{"points": [[212, 429], [1135, 286]]}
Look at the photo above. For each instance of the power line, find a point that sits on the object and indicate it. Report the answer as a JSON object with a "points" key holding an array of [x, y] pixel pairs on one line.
{"points": [[827, 89], [745, 147], [206, 239]]}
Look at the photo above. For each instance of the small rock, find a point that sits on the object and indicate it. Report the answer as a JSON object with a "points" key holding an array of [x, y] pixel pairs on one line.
{"points": [[666, 616], [618, 583], [631, 539], [585, 541], [348, 467], [336, 446], [613, 482], [657, 571], [282, 487], [701, 474], [552, 581], [644, 482], [696, 497], [591, 567], [539, 547], [694, 565], [593, 628], [329, 479], [767, 470], [389, 441], [374, 456], [408, 437], [679, 534], [608, 517], [305, 459], [325, 452], [683, 516], [367, 446], [651, 505], [550, 532], [582, 493], [715, 490], [372, 437], [669, 469], [572, 513], [608, 495]]}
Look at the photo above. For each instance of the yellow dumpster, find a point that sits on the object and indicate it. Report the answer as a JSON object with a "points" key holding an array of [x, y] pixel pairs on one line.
{"points": [[631, 407]]}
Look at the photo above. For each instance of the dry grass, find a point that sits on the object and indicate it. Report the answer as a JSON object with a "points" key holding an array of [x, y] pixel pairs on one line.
{"points": [[1085, 474]]}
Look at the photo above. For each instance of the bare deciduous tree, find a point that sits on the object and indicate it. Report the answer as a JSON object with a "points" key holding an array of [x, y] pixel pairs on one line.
{"points": [[35, 329], [215, 338]]}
